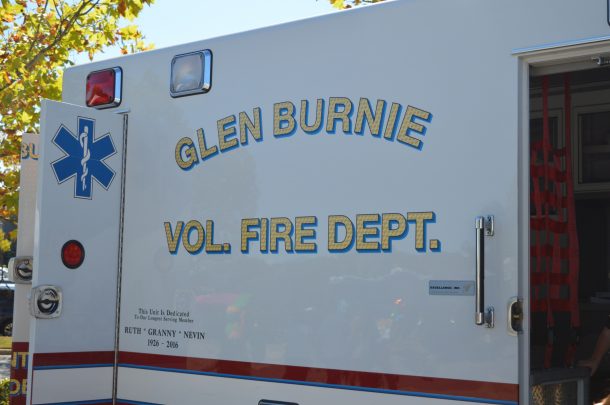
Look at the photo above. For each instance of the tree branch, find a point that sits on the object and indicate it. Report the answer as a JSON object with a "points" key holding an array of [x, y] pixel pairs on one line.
{"points": [[69, 23]]}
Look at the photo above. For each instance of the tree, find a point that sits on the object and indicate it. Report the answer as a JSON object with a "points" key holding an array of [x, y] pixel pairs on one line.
{"points": [[344, 4], [39, 38]]}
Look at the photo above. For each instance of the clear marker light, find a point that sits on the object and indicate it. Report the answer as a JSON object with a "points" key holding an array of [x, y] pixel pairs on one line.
{"points": [[191, 73]]}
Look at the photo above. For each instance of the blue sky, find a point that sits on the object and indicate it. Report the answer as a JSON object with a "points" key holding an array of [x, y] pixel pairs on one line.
{"points": [[172, 22]]}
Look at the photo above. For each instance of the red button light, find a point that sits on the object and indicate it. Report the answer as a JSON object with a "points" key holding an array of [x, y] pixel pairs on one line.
{"points": [[102, 88], [72, 254]]}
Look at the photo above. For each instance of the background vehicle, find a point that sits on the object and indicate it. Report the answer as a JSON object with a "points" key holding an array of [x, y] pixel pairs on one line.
{"points": [[7, 296]]}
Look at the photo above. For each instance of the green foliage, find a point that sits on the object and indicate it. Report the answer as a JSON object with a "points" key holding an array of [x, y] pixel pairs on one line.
{"points": [[38, 39], [4, 391], [344, 4], [6, 342]]}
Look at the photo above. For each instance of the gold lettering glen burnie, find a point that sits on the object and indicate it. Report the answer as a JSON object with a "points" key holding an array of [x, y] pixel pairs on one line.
{"points": [[17, 387], [339, 109], [334, 221], [206, 152], [19, 359], [283, 119], [408, 125], [271, 233], [264, 234], [226, 133], [405, 126], [193, 227], [389, 231], [420, 219], [186, 153], [377, 232], [363, 231], [304, 230], [280, 229], [391, 124], [373, 119], [247, 234], [193, 236], [210, 246], [305, 114], [246, 125], [173, 237], [371, 232]]}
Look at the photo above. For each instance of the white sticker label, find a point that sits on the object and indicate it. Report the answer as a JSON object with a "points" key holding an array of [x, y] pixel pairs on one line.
{"points": [[451, 287]]}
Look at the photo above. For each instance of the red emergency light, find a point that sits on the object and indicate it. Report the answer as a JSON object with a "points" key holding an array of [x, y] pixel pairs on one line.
{"points": [[72, 254], [104, 88]]}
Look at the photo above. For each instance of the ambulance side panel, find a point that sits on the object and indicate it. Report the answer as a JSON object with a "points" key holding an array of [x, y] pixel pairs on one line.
{"points": [[207, 308]]}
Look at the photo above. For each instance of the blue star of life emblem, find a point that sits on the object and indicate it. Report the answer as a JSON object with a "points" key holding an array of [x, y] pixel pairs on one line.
{"points": [[83, 157]]}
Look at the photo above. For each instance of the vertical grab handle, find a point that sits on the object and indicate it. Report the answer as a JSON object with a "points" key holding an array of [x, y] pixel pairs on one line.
{"points": [[480, 277], [484, 226]]}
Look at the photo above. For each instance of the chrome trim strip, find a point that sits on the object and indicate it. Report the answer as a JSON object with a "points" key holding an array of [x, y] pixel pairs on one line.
{"points": [[562, 44]]}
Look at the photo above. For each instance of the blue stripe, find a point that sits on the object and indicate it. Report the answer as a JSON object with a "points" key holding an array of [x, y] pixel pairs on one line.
{"points": [[313, 384], [72, 366], [96, 401], [101, 401]]}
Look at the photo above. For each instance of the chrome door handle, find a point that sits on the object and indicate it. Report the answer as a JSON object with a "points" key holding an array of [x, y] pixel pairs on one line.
{"points": [[484, 227], [46, 302], [20, 269], [515, 316]]}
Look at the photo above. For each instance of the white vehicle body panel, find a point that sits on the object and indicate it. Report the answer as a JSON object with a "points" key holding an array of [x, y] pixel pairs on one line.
{"points": [[84, 333], [360, 326], [71, 385], [25, 248], [142, 384]]}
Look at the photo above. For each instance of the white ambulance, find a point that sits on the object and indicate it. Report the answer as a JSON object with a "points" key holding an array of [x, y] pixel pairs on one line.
{"points": [[407, 203]]}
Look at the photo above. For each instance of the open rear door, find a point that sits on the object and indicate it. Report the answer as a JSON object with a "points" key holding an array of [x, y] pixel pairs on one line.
{"points": [[76, 248]]}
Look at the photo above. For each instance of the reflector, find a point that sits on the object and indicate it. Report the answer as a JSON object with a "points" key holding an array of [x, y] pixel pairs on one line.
{"points": [[191, 73], [104, 88], [72, 254]]}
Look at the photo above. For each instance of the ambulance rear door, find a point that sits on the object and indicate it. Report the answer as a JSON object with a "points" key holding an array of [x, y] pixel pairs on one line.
{"points": [[76, 255]]}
